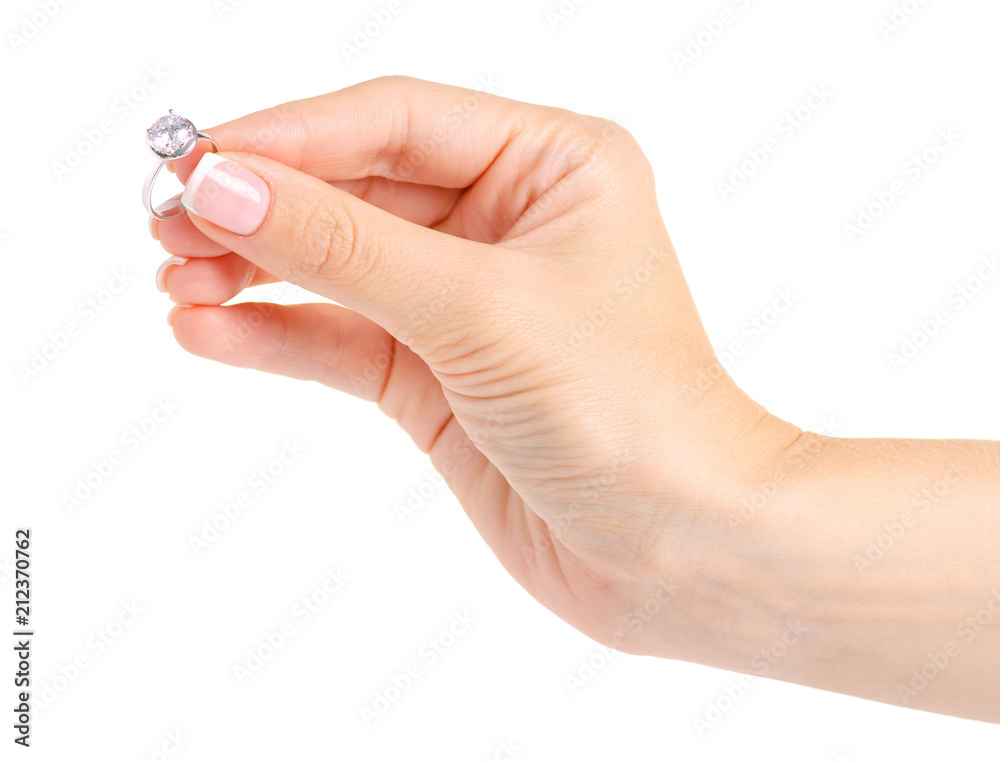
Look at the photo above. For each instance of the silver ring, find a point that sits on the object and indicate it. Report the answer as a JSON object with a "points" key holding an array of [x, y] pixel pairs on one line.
{"points": [[170, 138]]}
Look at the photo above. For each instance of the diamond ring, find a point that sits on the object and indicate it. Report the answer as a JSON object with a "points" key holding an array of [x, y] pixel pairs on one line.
{"points": [[170, 138]]}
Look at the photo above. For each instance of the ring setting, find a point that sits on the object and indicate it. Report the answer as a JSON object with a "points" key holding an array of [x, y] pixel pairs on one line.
{"points": [[170, 138]]}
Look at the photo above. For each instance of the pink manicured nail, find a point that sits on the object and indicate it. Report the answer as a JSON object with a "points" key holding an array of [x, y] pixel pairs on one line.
{"points": [[161, 274], [228, 195], [174, 310]]}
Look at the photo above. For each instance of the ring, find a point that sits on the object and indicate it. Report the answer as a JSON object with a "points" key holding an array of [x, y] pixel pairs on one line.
{"points": [[170, 138]]}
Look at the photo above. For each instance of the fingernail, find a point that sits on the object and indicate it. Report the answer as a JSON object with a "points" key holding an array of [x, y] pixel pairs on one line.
{"points": [[227, 195], [174, 310], [169, 207], [153, 225], [161, 274]]}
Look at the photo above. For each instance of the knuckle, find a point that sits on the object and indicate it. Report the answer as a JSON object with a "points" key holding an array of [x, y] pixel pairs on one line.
{"points": [[594, 142], [611, 138], [393, 81], [610, 154], [331, 249], [389, 79]]}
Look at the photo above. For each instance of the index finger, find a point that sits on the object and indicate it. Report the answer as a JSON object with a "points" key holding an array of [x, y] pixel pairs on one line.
{"points": [[399, 128]]}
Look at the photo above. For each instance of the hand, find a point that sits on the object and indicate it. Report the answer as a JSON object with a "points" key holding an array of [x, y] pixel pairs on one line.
{"points": [[511, 298]]}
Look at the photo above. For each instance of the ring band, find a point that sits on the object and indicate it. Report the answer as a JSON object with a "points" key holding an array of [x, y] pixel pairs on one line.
{"points": [[170, 138]]}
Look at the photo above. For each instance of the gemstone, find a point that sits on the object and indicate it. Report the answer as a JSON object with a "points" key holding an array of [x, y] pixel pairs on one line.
{"points": [[171, 136]]}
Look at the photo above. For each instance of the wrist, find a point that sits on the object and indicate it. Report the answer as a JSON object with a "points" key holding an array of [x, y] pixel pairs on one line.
{"points": [[714, 548]]}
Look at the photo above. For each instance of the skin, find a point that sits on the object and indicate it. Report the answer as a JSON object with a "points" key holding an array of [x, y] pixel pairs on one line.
{"points": [[511, 298]]}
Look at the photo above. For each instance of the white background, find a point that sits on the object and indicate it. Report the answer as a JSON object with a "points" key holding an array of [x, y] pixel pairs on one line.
{"points": [[65, 235]]}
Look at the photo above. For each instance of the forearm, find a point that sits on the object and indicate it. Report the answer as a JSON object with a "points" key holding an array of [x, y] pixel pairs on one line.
{"points": [[879, 559]]}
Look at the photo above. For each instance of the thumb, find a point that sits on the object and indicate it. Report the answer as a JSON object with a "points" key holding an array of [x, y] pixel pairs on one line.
{"points": [[406, 277]]}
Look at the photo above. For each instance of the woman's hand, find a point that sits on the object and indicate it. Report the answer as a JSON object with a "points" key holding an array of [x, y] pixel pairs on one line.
{"points": [[512, 299]]}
